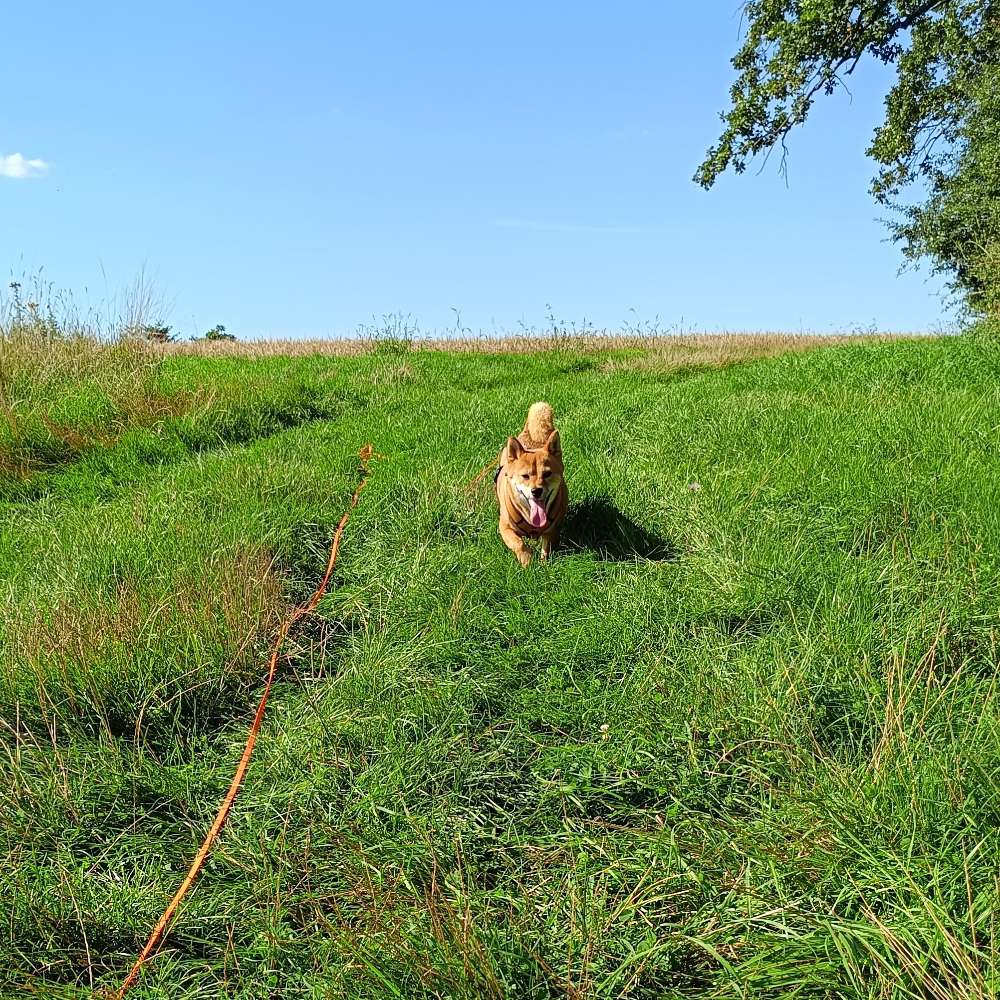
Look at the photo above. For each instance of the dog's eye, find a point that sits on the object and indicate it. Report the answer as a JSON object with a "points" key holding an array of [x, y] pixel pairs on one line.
{"points": [[546, 474], [524, 475]]}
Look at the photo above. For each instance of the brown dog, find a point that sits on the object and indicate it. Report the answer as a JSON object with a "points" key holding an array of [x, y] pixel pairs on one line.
{"points": [[531, 489]]}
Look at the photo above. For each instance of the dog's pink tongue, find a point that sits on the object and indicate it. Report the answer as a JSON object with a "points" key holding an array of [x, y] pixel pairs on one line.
{"points": [[536, 513]]}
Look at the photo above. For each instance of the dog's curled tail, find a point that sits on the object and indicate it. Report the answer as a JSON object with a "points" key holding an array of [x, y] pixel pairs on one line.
{"points": [[539, 424]]}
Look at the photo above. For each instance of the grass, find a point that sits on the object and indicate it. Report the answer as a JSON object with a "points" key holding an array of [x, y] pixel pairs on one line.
{"points": [[740, 739], [659, 350]]}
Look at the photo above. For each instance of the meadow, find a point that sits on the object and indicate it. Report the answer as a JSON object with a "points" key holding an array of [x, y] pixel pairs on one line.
{"points": [[739, 739]]}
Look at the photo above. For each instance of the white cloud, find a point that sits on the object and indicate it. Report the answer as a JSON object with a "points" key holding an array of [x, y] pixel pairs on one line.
{"points": [[17, 166]]}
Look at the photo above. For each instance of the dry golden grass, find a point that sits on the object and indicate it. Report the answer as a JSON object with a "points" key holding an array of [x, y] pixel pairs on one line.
{"points": [[81, 642], [32, 354], [60, 395], [707, 348], [67, 384]]}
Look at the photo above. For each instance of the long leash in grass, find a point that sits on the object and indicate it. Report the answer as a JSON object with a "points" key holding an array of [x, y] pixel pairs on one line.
{"points": [[366, 455]]}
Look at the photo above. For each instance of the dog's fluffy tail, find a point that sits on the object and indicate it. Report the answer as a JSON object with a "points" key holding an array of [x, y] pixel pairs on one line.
{"points": [[539, 425]]}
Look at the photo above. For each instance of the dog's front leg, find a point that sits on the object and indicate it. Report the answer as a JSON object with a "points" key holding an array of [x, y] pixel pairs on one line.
{"points": [[515, 543], [549, 541]]}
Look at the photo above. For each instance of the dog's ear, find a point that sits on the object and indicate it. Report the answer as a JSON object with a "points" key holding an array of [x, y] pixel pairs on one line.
{"points": [[552, 445], [514, 449]]}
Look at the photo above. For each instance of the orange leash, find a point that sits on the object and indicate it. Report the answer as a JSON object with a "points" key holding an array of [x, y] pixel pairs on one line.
{"points": [[479, 476], [163, 923]]}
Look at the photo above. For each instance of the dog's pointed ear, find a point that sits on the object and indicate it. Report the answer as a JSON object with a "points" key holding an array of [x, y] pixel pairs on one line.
{"points": [[552, 445], [514, 449]]}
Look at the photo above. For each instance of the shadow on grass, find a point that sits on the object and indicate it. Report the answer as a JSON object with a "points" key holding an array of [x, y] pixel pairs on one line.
{"points": [[597, 525]]}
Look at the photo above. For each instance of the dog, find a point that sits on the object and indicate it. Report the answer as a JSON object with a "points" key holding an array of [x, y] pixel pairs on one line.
{"points": [[531, 485]]}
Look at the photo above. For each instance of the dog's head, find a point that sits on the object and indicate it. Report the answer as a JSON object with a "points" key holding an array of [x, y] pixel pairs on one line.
{"points": [[535, 475]]}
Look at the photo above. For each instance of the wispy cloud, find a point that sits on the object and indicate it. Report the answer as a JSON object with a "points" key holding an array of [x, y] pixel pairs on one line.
{"points": [[539, 226], [19, 167]]}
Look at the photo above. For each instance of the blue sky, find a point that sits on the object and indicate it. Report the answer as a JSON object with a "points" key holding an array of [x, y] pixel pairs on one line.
{"points": [[294, 169]]}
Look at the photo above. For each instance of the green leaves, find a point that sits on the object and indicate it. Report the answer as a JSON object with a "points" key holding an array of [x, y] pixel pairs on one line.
{"points": [[958, 225], [938, 125]]}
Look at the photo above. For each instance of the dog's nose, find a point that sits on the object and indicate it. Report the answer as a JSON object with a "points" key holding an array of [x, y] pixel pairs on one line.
{"points": [[536, 491]]}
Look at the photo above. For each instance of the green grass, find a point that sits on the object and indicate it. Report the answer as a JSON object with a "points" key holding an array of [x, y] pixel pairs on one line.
{"points": [[740, 739]]}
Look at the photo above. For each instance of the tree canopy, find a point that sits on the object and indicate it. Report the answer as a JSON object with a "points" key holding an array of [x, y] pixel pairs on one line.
{"points": [[942, 115]]}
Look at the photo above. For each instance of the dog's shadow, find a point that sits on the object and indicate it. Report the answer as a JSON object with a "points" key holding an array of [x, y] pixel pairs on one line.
{"points": [[598, 526]]}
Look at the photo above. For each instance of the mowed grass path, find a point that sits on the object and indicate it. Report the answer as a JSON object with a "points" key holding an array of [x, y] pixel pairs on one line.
{"points": [[740, 739]]}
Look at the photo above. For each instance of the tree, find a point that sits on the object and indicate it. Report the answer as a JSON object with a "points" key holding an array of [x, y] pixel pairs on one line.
{"points": [[219, 333], [941, 114], [158, 333], [958, 226]]}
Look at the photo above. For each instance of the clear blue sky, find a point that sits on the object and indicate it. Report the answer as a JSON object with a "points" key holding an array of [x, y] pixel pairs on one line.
{"points": [[293, 169]]}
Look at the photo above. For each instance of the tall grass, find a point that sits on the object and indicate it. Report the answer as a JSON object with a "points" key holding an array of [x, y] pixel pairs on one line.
{"points": [[74, 385], [66, 381], [739, 739], [658, 348]]}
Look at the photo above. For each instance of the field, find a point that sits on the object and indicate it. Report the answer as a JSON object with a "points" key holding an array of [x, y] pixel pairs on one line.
{"points": [[740, 739]]}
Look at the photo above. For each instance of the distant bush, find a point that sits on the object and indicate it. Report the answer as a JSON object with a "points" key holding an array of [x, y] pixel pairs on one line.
{"points": [[158, 334], [219, 333], [987, 329]]}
